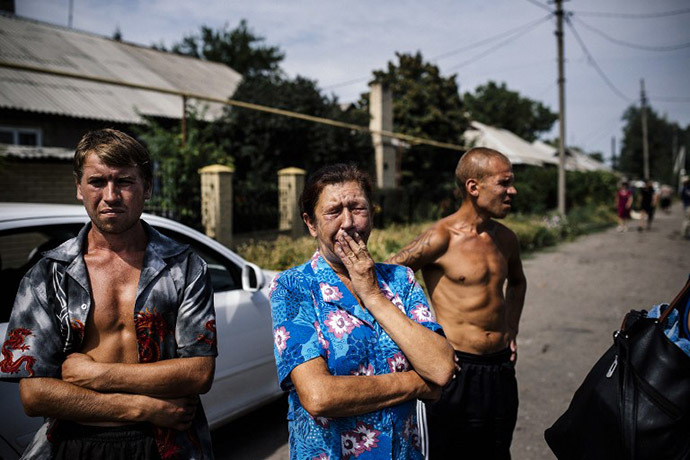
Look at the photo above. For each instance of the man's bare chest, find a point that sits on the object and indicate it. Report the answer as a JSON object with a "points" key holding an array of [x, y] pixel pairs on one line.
{"points": [[113, 290], [473, 262]]}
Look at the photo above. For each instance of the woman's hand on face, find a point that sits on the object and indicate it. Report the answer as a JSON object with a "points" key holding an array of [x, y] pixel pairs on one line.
{"points": [[354, 255]]}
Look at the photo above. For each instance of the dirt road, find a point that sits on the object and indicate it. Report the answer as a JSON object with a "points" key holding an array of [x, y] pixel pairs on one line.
{"points": [[577, 295]]}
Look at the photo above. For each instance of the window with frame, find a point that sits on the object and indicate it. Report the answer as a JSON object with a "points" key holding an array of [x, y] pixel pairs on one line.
{"points": [[21, 136]]}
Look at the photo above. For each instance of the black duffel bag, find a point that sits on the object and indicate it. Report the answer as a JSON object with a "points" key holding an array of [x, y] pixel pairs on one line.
{"points": [[635, 403]]}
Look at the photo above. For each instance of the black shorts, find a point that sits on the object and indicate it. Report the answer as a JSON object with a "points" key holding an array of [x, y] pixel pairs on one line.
{"points": [[74, 441], [477, 412]]}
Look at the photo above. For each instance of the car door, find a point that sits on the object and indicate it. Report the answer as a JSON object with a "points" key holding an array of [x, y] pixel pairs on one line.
{"points": [[245, 368]]}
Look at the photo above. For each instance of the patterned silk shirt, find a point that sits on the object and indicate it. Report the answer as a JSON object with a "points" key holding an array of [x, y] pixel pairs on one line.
{"points": [[173, 316], [315, 315]]}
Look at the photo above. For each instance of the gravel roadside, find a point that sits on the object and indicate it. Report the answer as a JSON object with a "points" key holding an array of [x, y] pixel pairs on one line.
{"points": [[577, 295]]}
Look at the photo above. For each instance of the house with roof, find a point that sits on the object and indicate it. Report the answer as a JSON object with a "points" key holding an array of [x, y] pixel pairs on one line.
{"points": [[45, 107], [521, 152]]}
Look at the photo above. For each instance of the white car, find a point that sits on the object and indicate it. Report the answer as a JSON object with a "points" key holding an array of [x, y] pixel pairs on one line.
{"points": [[245, 376]]}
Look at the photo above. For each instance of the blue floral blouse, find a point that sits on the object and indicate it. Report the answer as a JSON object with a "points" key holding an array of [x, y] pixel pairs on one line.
{"points": [[314, 315]]}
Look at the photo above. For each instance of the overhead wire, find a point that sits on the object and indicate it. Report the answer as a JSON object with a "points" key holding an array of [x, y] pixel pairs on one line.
{"points": [[540, 5], [487, 40], [669, 99], [632, 45], [447, 54], [594, 63], [499, 45], [633, 15], [235, 103]]}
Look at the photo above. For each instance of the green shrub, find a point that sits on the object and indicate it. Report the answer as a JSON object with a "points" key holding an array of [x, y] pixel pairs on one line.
{"points": [[534, 231]]}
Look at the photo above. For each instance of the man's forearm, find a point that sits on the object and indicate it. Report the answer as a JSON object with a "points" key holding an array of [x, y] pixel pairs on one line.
{"points": [[168, 378], [49, 397], [515, 300]]}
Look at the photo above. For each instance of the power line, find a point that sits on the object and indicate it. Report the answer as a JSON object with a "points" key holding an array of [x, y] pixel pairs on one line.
{"points": [[236, 103], [446, 54], [345, 83], [632, 15], [540, 5], [489, 39], [498, 45], [593, 62], [670, 99], [632, 45]]}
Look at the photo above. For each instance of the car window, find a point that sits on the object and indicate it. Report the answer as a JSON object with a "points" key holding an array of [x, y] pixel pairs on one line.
{"points": [[225, 274], [20, 249]]}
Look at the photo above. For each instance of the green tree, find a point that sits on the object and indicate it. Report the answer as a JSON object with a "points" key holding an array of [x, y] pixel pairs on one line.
{"points": [[263, 143], [660, 134], [239, 48], [177, 183], [498, 106], [425, 104]]}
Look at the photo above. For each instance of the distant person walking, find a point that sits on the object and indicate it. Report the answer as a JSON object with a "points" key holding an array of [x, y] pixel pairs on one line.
{"points": [[624, 201], [665, 194], [648, 202], [685, 196]]}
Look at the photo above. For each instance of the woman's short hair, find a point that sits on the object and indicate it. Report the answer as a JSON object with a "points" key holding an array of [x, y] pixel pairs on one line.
{"points": [[332, 174], [114, 148]]}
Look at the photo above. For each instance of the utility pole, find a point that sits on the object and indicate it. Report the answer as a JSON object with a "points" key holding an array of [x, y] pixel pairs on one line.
{"points": [[71, 7], [561, 108], [645, 145], [614, 160]]}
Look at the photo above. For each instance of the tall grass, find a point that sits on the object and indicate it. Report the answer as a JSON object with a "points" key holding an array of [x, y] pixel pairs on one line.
{"points": [[533, 232]]}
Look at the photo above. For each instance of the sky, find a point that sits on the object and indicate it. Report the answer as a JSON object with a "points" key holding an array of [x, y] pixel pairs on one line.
{"points": [[610, 45]]}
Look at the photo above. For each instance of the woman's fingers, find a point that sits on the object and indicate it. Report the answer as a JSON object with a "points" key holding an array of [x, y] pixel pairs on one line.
{"points": [[353, 242], [347, 259]]}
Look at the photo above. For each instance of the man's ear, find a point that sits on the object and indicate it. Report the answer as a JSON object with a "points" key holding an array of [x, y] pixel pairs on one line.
{"points": [[148, 190], [80, 197], [472, 187], [310, 225]]}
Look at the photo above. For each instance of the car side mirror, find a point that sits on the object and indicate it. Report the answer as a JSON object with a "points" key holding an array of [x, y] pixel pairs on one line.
{"points": [[253, 277]]}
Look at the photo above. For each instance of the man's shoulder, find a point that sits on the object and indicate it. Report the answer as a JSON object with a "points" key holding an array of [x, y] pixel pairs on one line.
{"points": [[439, 233], [504, 233]]}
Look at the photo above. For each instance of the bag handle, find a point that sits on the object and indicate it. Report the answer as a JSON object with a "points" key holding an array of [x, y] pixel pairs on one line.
{"points": [[675, 302]]}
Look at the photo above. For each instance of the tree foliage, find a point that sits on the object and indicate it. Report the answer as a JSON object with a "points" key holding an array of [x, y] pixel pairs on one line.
{"points": [[263, 143], [498, 106], [425, 104], [239, 48], [177, 185], [660, 135]]}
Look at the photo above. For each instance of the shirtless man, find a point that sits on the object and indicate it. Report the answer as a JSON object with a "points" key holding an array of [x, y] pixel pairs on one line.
{"points": [[472, 270], [115, 347]]}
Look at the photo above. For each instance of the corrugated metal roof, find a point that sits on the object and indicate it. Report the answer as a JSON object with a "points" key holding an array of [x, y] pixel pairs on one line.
{"points": [[34, 153], [52, 47], [575, 160], [518, 150]]}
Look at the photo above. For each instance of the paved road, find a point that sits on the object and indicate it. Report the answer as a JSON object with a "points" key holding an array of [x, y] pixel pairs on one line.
{"points": [[577, 295]]}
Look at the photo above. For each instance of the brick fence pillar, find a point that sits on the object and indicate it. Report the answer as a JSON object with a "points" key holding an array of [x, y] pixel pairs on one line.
{"points": [[381, 112], [290, 185], [216, 202]]}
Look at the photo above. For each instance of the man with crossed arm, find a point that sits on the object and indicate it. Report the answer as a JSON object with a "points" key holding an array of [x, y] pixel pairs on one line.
{"points": [[472, 270], [112, 334]]}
